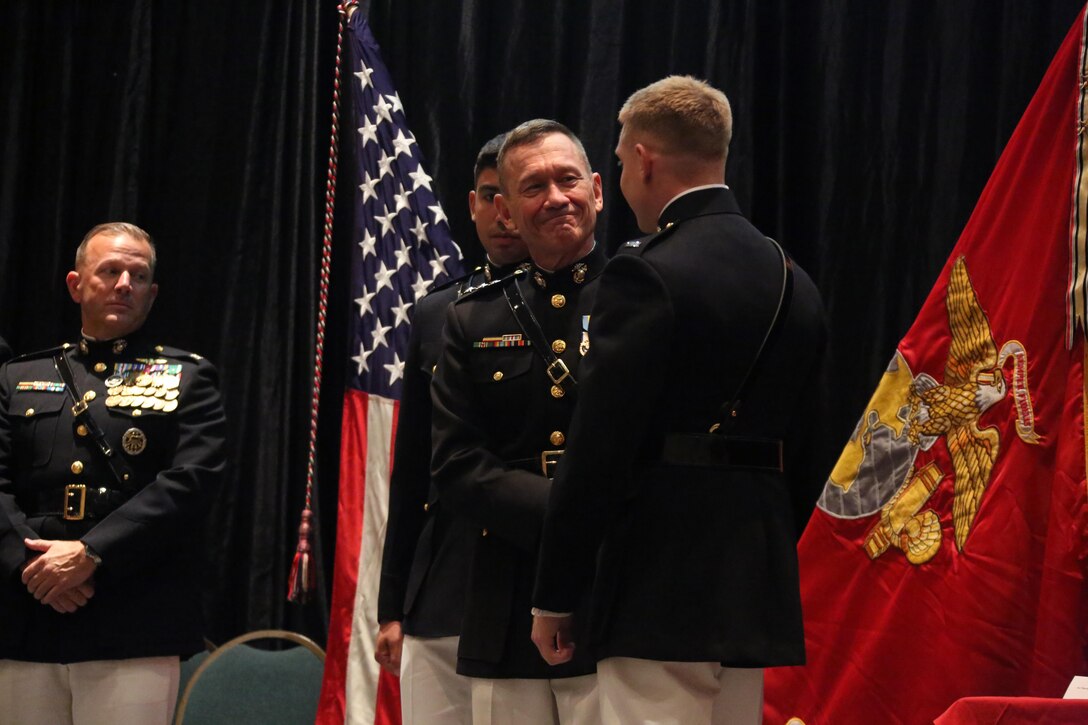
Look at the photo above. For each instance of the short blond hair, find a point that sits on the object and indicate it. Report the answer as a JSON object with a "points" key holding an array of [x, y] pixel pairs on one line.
{"points": [[116, 229], [683, 114]]}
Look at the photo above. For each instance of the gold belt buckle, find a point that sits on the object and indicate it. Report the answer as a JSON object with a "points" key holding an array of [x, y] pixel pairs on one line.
{"points": [[79, 408], [564, 371], [72, 491], [549, 460]]}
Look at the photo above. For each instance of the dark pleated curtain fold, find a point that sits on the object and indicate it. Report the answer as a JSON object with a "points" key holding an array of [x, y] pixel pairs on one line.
{"points": [[864, 134]]}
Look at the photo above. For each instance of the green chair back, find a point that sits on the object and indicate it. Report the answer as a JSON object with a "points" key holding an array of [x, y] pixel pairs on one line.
{"points": [[239, 683]]}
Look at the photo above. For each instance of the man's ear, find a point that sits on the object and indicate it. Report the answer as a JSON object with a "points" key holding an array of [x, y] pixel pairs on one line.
{"points": [[472, 204], [598, 194], [71, 281], [645, 161]]}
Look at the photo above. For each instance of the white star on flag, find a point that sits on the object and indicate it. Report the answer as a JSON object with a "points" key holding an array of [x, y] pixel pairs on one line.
{"points": [[387, 222], [382, 108], [369, 245], [420, 178], [401, 200], [364, 303], [437, 265], [385, 166], [396, 369], [369, 187], [420, 230], [420, 286], [439, 215], [360, 359], [368, 131], [403, 144], [404, 259], [364, 77], [383, 277], [400, 313], [379, 335]]}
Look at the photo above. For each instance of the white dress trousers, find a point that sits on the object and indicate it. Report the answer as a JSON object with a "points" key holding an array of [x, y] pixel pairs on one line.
{"points": [[431, 691], [102, 692], [637, 691]]}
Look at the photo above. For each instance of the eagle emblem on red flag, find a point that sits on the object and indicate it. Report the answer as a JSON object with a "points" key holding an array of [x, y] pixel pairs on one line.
{"points": [[909, 414]]}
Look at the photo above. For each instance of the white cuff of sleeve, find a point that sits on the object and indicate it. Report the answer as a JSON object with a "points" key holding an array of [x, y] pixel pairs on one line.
{"points": [[545, 613]]}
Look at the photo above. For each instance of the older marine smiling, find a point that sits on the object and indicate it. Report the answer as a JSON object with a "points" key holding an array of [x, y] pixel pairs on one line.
{"points": [[552, 197]]}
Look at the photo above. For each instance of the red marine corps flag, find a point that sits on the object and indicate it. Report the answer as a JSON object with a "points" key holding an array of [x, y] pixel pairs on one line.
{"points": [[946, 558]]}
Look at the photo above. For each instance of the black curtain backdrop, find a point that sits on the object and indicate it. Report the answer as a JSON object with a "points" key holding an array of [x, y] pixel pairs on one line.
{"points": [[864, 132]]}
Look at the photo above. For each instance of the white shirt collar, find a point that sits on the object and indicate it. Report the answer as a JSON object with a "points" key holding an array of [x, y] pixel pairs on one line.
{"points": [[690, 191]]}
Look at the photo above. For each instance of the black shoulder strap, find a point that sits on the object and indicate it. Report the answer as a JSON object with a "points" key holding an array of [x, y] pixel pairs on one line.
{"points": [[83, 415], [728, 413], [557, 370]]}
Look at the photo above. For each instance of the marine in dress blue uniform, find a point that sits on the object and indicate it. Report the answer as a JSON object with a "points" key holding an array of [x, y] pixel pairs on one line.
{"points": [[99, 554], [684, 537], [503, 394]]}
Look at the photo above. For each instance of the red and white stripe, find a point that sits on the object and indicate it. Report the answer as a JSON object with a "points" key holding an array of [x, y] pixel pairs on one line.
{"points": [[355, 690]]}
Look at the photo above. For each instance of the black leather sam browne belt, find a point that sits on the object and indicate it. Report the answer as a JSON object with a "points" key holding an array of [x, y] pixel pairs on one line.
{"points": [[543, 464], [719, 451], [78, 501], [718, 448], [557, 370]]}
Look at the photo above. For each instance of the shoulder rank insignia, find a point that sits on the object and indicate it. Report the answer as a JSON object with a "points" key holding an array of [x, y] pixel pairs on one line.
{"points": [[49, 351], [644, 243], [175, 353], [437, 286], [510, 340], [471, 291]]}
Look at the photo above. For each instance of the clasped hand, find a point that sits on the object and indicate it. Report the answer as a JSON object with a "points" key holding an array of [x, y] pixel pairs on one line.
{"points": [[60, 575]]}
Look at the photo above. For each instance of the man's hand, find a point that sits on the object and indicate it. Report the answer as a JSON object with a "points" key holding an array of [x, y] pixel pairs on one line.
{"points": [[71, 600], [387, 649], [553, 637], [60, 567]]}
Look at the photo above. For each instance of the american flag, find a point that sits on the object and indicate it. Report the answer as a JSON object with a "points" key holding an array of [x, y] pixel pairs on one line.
{"points": [[404, 246]]}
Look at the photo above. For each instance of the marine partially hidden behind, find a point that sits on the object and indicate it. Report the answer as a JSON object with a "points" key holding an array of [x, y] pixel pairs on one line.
{"points": [[425, 563], [109, 449]]}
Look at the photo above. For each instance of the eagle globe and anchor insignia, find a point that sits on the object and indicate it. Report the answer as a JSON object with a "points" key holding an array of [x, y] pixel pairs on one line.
{"points": [[878, 470]]}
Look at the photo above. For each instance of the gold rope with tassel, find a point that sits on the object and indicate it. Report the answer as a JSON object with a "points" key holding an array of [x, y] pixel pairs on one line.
{"points": [[303, 577]]}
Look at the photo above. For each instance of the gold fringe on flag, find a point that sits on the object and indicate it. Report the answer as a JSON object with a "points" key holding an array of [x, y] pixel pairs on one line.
{"points": [[1077, 295]]}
